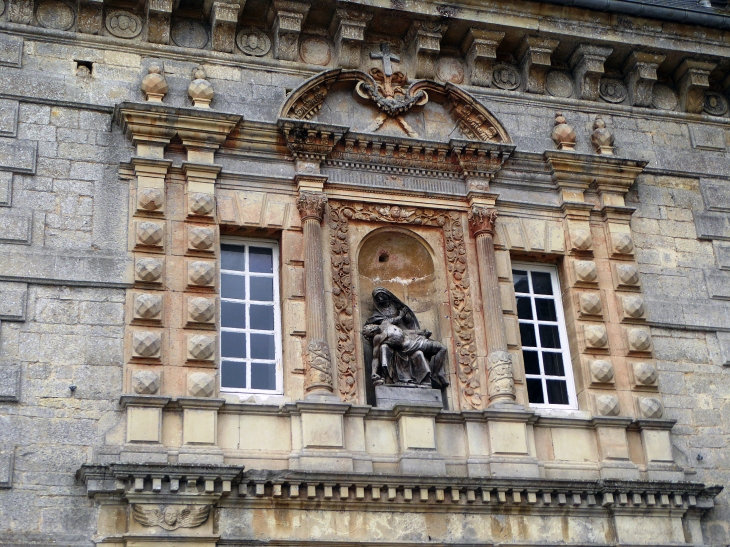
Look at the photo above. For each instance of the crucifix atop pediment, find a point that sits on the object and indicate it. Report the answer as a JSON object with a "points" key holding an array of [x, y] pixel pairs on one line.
{"points": [[387, 58]]}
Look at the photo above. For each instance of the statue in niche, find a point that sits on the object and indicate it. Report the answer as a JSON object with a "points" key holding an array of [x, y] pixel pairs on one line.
{"points": [[403, 353]]}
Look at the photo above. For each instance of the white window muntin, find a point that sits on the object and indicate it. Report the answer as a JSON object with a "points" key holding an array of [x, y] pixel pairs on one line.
{"points": [[562, 334], [246, 276]]}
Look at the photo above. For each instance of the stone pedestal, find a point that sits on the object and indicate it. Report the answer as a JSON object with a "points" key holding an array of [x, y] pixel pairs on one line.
{"points": [[389, 396]]}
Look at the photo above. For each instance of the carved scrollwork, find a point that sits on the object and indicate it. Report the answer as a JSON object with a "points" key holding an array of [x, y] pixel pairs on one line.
{"points": [[171, 517], [472, 123], [459, 289], [482, 220], [319, 366], [500, 374]]}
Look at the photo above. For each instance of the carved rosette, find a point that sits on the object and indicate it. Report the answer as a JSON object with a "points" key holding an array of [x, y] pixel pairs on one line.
{"points": [[482, 220], [500, 374], [311, 205], [459, 289]]}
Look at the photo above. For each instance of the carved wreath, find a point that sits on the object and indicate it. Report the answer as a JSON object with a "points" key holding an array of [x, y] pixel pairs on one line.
{"points": [[171, 518]]}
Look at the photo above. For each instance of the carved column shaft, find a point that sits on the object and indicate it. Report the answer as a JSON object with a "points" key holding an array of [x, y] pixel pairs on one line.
{"points": [[318, 373], [500, 377]]}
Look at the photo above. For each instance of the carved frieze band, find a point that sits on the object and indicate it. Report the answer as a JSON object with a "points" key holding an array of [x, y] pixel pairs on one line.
{"points": [[459, 289]]}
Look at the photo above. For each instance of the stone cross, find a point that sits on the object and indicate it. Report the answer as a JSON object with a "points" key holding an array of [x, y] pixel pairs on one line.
{"points": [[387, 58]]}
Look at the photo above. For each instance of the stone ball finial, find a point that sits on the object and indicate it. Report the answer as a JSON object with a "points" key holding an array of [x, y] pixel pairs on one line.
{"points": [[200, 90], [602, 138], [154, 85], [563, 135]]}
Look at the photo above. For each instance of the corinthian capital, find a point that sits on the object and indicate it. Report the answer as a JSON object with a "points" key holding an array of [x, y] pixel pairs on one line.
{"points": [[482, 219], [311, 205]]}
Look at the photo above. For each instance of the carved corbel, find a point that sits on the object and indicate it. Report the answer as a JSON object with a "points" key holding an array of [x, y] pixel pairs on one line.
{"points": [[89, 18], [223, 21], [423, 42], [348, 28], [480, 50], [158, 20], [21, 11], [310, 143], [534, 54], [587, 64], [693, 79], [286, 19], [640, 73], [480, 161]]}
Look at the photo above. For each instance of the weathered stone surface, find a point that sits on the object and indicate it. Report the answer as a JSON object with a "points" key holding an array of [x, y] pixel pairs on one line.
{"points": [[9, 383]]}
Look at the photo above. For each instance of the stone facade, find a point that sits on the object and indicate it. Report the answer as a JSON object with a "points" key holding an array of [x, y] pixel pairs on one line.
{"points": [[426, 149]]}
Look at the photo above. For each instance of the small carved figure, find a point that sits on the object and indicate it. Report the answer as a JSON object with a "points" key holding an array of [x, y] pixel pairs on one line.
{"points": [[403, 353], [171, 518]]}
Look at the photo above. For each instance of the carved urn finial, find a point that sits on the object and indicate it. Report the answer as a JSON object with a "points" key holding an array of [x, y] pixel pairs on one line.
{"points": [[602, 138], [200, 90], [154, 85], [563, 135]]}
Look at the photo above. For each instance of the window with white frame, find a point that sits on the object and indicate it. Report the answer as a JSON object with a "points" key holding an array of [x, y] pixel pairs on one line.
{"points": [[250, 337], [548, 371]]}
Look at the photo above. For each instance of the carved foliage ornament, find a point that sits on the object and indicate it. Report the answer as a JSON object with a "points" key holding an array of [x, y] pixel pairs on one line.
{"points": [[171, 517], [311, 205], [482, 220], [459, 288]]}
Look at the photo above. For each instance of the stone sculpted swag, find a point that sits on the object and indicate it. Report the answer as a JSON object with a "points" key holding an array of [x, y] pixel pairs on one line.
{"points": [[403, 354]]}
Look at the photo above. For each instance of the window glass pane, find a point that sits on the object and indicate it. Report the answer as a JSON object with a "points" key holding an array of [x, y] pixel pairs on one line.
{"points": [[262, 289], [541, 283], [534, 391], [552, 363], [233, 374], [233, 315], [524, 307], [545, 308], [233, 344], [263, 376], [549, 337], [233, 257], [527, 333], [520, 279], [233, 286], [261, 260], [557, 392], [262, 346], [532, 365], [262, 318]]}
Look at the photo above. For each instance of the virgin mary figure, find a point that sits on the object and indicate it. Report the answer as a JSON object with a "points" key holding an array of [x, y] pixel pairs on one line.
{"points": [[403, 353]]}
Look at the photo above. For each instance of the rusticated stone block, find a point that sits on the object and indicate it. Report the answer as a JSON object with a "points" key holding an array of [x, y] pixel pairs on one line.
{"points": [[201, 384], [581, 239], [150, 199], [622, 243], [201, 238], [607, 405], [201, 204], [145, 382], [13, 298], [201, 347], [149, 234], [201, 310], [590, 304], [148, 306], [638, 339], [626, 275], [650, 407], [148, 269], [585, 271], [596, 336], [201, 274], [601, 371], [9, 383], [645, 374], [147, 344], [633, 306]]}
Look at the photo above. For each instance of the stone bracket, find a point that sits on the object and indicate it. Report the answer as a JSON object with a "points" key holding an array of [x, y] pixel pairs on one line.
{"points": [[21, 11], [348, 28], [223, 21], [159, 13], [480, 50], [692, 77], [587, 64], [423, 42], [534, 54], [286, 19], [640, 72]]}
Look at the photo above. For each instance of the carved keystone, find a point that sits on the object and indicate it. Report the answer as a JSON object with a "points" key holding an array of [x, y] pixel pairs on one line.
{"points": [[201, 310], [201, 347], [645, 374], [287, 18], [147, 344], [480, 51], [145, 382], [607, 405], [148, 270], [601, 371], [596, 336], [201, 384], [148, 306], [201, 273], [640, 72], [149, 233], [651, 408], [534, 54], [693, 79], [587, 64], [585, 271]]}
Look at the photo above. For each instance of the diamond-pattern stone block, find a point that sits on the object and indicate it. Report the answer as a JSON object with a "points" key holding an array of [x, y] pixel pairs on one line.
{"points": [[590, 303], [201, 273], [149, 233], [201, 238], [148, 269], [201, 384], [601, 371], [650, 407], [633, 306], [201, 204], [628, 274], [148, 306], [645, 374], [581, 239], [145, 382], [622, 243], [585, 271], [201, 310], [596, 336], [607, 405], [154, 85], [639, 339], [201, 347], [150, 199], [147, 344]]}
